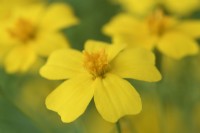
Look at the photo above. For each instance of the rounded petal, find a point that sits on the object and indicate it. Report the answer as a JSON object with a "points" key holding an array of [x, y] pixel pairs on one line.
{"points": [[115, 97], [58, 16], [130, 31], [63, 64], [177, 45], [191, 28], [47, 42], [111, 49], [144, 41], [20, 59], [136, 63], [137, 7], [121, 24], [32, 13], [71, 98], [183, 8], [5, 38], [3, 51]]}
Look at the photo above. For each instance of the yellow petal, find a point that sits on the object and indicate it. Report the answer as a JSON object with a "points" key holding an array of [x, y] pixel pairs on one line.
{"points": [[136, 63], [47, 42], [130, 31], [115, 97], [71, 98], [111, 49], [144, 41], [177, 45], [58, 16], [31, 13], [137, 7], [191, 28], [63, 64], [5, 38], [183, 8], [20, 59], [3, 51], [121, 24]]}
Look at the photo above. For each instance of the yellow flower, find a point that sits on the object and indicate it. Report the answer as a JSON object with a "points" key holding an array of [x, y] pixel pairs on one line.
{"points": [[172, 37], [138, 7], [6, 6], [97, 72], [184, 7], [142, 7], [33, 31]]}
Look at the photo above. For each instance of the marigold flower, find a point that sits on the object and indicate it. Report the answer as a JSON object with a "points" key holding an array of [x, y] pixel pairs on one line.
{"points": [[185, 7], [33, 31], [97, 72], [137, 7], [142, 7], [7, 6], [173, 37]]}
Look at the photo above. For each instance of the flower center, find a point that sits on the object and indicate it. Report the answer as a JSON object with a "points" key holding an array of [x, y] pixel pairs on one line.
{"points": [[157, 22], [96, 63], [23, 30]]}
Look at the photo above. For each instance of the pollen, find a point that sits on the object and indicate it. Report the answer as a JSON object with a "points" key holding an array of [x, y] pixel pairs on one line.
{"points": [[22, 30], [157, 22], [96, 63]]}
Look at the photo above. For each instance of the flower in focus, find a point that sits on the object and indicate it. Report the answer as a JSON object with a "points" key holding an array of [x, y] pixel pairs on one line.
{"points": [[33, 31], [97, 72], [142, 7], [172, 37]]}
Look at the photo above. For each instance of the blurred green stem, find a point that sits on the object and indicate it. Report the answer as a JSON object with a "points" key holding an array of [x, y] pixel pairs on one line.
{"points": [[159, 92], [118, 127]]}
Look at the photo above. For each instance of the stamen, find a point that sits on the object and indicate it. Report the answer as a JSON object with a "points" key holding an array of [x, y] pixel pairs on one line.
{"points": [[156, 22], [96, 63], [22, 30]]}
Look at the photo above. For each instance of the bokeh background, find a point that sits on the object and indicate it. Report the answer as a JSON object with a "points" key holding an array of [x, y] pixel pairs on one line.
{"points": [[169, 106]]}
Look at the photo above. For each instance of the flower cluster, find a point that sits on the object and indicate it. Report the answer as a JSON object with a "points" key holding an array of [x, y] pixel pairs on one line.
{"points": [[30, 32]]}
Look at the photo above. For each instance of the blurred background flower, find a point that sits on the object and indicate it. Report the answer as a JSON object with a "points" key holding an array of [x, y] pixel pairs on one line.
{"points": [[142, 7], [33, 31], [171, 36]]}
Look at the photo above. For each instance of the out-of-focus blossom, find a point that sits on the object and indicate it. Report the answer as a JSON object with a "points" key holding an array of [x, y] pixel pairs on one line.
{"points": [[7, 6], [33, 31], [138, 7], [172, 37], [183, 7], [142, 7], [98, 72]]}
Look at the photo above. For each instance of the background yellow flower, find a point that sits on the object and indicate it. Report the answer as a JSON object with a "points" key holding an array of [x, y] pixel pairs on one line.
{"points": [[33, 31], [142, 7], [172, 37]]}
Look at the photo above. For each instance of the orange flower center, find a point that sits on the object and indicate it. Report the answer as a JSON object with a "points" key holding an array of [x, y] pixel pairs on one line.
{"points": [[157, 22], [96, 63], [23, 30]]}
